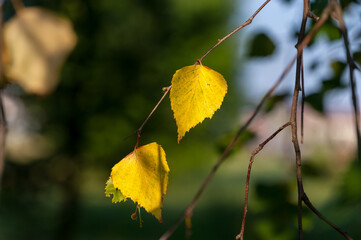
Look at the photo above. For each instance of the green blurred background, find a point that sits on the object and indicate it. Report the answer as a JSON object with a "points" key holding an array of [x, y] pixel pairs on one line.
{"points": [[127, 51]]}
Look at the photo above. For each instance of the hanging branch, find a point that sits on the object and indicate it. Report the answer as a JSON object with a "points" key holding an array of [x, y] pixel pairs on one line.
{"points": [[302, 100], [303, 41], [293, 117], [302, 196], [254, 153], [352, 66]]}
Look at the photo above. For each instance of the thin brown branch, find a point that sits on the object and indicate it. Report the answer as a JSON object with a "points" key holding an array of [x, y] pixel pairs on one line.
{"points": [[188, 212], [254, 153], [302, 197], [352, 66], [302, 100], [321, 21], [313, 16], [167, 89], [3, 130], [139, 130], [293, 117], [246, 23], [315, 211]]}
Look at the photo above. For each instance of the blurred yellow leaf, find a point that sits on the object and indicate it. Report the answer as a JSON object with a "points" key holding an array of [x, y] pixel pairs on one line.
{"points": [[36, 44], [143, 177], [197, 92]]}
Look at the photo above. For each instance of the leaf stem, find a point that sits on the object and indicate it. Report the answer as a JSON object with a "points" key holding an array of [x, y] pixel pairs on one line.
{"points": [[139, 130]]}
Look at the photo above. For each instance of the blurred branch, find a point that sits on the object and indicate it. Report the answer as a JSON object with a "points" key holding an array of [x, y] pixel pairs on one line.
{"points": [[302, 42], [352, 66], [254, 153]]}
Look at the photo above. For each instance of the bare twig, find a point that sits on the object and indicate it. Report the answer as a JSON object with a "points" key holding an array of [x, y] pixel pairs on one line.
{"points": [[254, 153], [188, 212], [302, 197], [293, 117], [302, 100], [352, 66], [246, 23]]}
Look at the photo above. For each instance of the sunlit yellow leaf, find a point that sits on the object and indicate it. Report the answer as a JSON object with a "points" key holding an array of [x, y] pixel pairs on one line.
{"points": [[197, 92], [36, 44], [143, 177]]}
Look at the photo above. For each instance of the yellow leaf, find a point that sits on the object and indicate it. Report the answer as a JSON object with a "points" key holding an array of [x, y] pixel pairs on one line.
{"points": [[197, 92], [36, 44], [143, 177]]}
